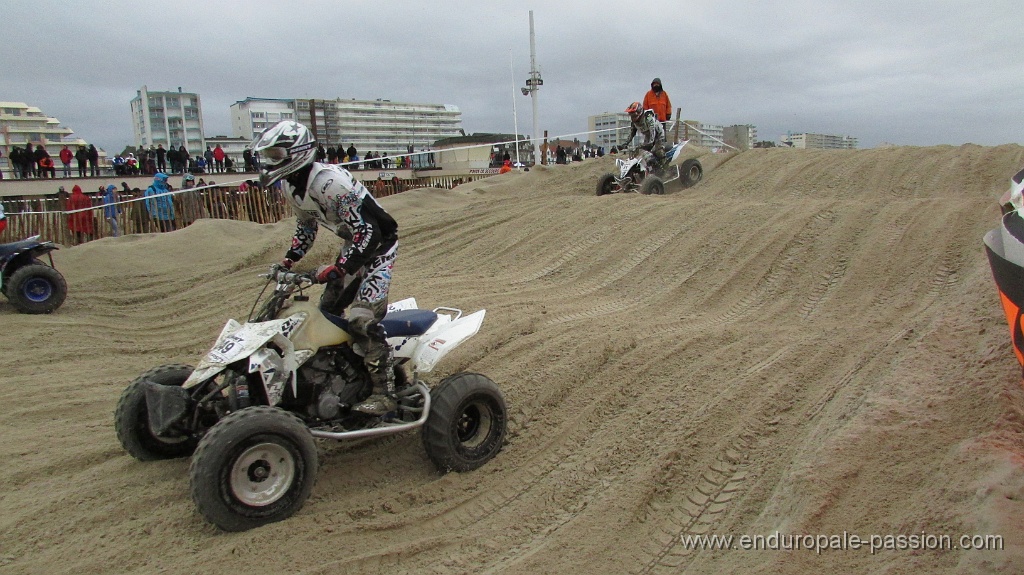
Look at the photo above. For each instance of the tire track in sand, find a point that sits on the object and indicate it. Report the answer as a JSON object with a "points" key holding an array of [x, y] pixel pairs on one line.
{"points": [[769, 284], [719, 485]]}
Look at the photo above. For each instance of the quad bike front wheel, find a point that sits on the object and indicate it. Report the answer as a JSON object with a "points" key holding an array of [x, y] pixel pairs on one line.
{"points": [[606, 185], [652, 185], [131, 417], [36, 288], [255, 466], [467, 422]]}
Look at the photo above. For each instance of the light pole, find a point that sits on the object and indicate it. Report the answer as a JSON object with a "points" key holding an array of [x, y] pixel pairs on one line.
{"points": [[533, 83]]}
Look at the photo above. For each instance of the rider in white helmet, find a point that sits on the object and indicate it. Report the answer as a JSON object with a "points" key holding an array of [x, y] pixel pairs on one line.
{"points": [[358, 281]]}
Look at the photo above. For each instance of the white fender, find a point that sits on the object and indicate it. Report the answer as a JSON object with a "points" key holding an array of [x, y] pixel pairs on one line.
{"points": [[446, 338], [238, 341], [678, 157], [407, 303]]}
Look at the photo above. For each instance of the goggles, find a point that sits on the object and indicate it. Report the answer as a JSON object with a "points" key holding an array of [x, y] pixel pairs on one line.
{"points": [[275, 154]]}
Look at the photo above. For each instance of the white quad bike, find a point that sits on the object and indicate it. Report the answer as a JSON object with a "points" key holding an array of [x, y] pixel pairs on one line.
{"points": [[638, 172], [249, 412]]}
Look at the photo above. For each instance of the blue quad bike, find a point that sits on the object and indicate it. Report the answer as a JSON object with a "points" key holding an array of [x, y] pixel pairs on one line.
{"points": [[30, 284]]}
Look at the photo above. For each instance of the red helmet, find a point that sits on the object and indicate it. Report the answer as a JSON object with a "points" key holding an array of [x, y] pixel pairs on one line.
{"points": [[635, 110]]}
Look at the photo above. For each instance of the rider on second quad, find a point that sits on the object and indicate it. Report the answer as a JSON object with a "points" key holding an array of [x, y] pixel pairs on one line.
{"points": [[647, 125]]}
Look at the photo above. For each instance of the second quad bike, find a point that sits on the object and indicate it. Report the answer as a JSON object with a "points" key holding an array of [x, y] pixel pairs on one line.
{"points": [[249, 411], [640, 172], [30, 284]]}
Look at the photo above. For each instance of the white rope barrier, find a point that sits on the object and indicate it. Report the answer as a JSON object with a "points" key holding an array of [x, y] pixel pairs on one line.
{"points": [[363, 161]]}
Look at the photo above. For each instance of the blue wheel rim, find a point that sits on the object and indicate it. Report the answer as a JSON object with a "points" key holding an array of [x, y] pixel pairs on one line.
{"points": [[37, 290]]}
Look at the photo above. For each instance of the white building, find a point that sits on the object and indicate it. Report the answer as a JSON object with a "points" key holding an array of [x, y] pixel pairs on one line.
{"points": [[380, 126], [21, 124], [608, 129], [740, 136], [709, 136], [172, 119], [819, 141], [234, 148], [251, 116]]}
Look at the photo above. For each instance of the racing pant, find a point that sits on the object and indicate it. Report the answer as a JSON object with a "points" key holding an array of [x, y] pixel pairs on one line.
{"points": [[363, 299], [657, 148]]}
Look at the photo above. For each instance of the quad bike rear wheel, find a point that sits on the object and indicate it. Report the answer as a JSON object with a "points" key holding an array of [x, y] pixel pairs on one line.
{"points": [[467, 422], [131, 417], [691, 173], [36, 288], [255, 466], [606, 185]]}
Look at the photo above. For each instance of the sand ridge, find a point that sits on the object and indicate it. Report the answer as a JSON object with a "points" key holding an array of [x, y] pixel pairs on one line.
{"points": [[807, 342]]}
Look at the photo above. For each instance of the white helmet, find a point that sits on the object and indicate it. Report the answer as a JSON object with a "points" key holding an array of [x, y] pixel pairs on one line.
{"points": [[284, 148]]}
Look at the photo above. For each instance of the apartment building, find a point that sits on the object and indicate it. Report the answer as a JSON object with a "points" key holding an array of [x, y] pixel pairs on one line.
{"points": [[819, 141], [172, 119], [21, 124], [608, 129], [709, 136], [379, 125], [740, 136]]}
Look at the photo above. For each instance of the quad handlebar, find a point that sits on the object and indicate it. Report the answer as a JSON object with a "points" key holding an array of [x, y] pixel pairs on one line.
{"points": [[283, 275]]}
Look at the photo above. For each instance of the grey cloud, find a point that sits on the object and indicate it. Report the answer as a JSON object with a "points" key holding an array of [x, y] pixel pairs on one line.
{"points": [[913, 72]]}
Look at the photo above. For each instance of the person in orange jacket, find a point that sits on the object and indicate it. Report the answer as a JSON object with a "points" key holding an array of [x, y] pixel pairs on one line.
{"points": [[46, 169], [657, 99]]}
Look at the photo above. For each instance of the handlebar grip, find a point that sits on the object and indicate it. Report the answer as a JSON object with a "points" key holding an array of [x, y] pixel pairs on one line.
{"points": [[283, 275]]}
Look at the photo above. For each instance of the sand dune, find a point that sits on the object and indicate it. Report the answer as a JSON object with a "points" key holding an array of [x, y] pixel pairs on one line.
{"points": [[807, 342]]}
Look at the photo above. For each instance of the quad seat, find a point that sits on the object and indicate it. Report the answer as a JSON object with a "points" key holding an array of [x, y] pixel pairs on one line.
{"points": [[402, 323]]}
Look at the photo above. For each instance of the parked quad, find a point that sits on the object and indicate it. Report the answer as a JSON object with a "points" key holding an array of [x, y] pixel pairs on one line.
{"points": [[30, 284], [248, 413]]}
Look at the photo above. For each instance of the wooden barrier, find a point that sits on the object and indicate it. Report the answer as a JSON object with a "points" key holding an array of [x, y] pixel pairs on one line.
{"points": [[264, 206], [48, 221]]}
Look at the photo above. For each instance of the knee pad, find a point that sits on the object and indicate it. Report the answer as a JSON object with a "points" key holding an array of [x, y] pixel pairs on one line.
{"points": [[360, 319]]}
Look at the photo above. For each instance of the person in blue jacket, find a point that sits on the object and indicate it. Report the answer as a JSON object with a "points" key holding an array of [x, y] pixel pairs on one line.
{"points": [[159, 203], [111, 209]]}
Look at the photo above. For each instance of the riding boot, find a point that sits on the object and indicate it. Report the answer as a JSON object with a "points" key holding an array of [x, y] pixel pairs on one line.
{"points": [[380, 364], [382, 398]]}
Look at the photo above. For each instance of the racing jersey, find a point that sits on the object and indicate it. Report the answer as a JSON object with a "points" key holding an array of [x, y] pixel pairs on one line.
{"points": [[335, 200], [649, 127]]}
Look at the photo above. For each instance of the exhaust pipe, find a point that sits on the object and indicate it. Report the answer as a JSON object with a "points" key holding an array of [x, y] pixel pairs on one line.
{"points": [[385, 428]]}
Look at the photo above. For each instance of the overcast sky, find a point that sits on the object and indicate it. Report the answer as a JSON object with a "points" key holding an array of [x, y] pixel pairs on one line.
{"points": [[908, 72]]}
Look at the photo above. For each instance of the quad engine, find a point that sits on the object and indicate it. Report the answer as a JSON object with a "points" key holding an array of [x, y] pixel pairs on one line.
{"points": [[335, 381]]}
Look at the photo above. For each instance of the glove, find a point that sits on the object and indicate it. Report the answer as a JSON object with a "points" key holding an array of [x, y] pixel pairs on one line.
{"points": [[287, 263], [332, 272]]}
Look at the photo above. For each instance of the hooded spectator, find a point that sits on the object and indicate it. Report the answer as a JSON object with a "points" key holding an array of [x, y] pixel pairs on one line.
{"points": [[80, 223], [159, 203], [111, 209]]}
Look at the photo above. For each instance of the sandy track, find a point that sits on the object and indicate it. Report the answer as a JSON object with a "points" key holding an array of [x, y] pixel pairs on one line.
{"points": [[807, 342]]}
